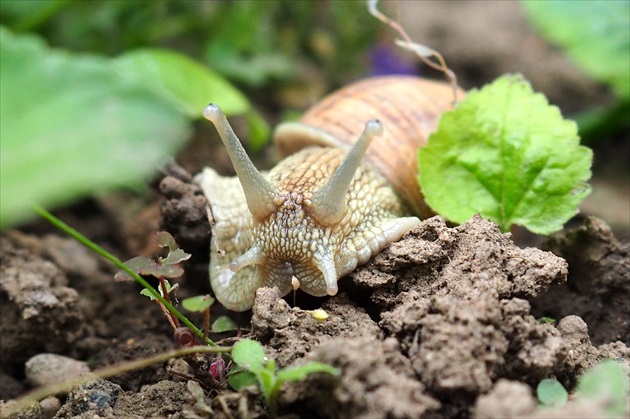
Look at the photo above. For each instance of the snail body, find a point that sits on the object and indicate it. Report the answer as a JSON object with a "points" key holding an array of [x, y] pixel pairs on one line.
{"points": [[322, 211]]}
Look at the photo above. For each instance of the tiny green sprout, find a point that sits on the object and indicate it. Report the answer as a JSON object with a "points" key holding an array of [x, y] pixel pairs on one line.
{"points": [[551, 393], [546, 320], [606, 381], [223, 324], [254, 366], [173, 314]]}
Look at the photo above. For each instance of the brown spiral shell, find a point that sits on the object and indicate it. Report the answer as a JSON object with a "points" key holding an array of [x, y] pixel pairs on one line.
{"points": [[409, 108]]}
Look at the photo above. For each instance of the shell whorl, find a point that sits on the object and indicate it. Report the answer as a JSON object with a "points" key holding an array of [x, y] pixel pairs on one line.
{"points": [[409, 109]]}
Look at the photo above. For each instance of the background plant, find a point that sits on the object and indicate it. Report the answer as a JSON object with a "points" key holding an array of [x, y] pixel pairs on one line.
{"points": [[596, 36], [77, 123], [255, 367], [606, 383]]}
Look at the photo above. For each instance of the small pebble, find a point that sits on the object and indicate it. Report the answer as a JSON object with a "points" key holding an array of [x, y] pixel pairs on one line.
{"points": [[573, 327], [46, 369], [50, 406]]}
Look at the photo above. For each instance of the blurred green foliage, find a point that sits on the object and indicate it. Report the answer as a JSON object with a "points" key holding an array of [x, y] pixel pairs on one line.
{"points": [[253, 42], [76, 123], [596, 36]]}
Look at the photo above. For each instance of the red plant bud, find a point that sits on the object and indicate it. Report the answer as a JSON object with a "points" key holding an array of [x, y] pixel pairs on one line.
{"points": [[217, 368], [184, 336]]}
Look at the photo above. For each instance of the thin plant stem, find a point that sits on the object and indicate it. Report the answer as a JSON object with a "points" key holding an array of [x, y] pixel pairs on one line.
{"points": [[65, 386], [172, 319], [104, 253], [206, 322]]}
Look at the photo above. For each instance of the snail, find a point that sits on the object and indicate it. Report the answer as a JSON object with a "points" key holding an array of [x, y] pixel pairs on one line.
{"points": [[321, 211]]}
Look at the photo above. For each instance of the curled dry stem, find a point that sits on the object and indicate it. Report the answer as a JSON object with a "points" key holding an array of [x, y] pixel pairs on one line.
{"points": [[423, 52]]}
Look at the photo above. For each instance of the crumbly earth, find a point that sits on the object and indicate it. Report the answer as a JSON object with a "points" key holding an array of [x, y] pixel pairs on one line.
{"points": [[440, 324]]}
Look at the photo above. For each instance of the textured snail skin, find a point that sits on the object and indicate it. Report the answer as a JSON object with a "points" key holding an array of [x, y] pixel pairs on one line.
{"points": [[283, 239], [291, 239]]}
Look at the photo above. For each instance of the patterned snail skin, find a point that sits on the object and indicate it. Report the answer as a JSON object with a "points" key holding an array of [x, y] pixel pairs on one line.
{"points": [[322, 211]]}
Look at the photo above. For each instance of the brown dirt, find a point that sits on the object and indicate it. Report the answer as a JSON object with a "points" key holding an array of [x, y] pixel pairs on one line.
{"points": [[438, 325]]}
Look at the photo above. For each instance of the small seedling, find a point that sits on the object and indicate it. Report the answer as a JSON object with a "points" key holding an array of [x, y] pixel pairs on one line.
{"points": [[546, 320], [162, 268], [128, 271], [606, 381], [551, 393], [254, 366]]}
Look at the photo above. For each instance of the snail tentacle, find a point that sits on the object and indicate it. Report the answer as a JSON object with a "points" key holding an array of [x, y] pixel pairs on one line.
{"points": [[254, 256], [326, 264], [329, 201], [259, 193]]}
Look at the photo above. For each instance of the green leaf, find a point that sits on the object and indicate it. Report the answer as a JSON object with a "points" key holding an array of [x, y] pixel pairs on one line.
{"points": [[301, 372], [145, 266], [595, 35], [241, 378], [609, 381], [551, 393], [507, 154], [137, 264], [267, 381], [200, 303], [168, 286], [71, 127], [174, 257], [249, 354], [223, 324], [186, 83]]}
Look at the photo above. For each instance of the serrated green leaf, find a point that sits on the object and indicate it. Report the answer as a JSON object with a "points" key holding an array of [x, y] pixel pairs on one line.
{"points": [[71, 127], [241, 378], [595, 35], [303, 371], [551, 393], [609, 381], [507, 154], [223, 324], [185, 82], [198, 303], [249, 354]]}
